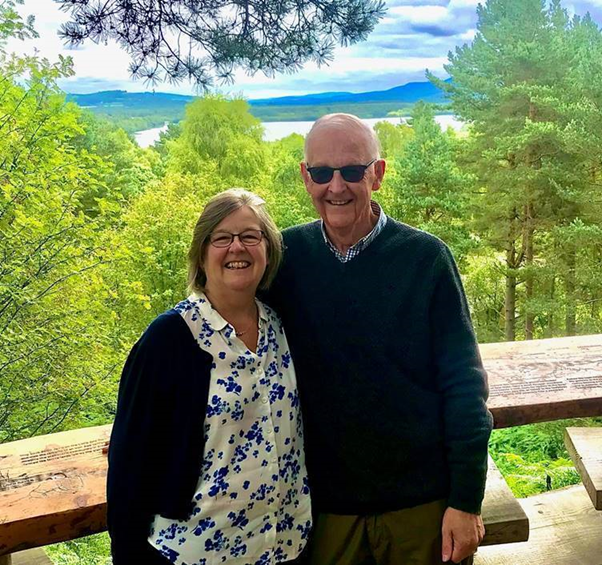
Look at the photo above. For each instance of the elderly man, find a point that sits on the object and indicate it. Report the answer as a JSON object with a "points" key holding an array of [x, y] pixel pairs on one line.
{"points": [[391, 383]]}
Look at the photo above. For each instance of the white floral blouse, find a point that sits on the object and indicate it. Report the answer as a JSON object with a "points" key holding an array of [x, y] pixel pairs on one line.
{"points": [[251, 505]]}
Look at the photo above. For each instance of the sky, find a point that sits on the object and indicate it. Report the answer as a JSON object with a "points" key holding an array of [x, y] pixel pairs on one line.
{"points": [[413, 36]]}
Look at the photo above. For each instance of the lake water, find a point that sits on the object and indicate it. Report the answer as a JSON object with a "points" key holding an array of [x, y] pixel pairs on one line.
{"points": [[278, 130]]}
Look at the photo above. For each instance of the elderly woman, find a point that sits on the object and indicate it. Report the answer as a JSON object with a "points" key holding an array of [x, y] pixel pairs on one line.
{"points": [[206, 462]]}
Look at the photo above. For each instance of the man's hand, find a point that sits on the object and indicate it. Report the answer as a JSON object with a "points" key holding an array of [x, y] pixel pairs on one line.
{"points": [[462, 533]]}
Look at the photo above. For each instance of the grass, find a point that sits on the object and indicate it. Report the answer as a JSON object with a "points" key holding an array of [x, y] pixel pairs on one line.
{"points": [[91, 550]]}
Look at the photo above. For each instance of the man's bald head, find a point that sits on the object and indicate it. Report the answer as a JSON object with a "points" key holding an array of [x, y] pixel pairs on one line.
{"points": [[355, 131]]}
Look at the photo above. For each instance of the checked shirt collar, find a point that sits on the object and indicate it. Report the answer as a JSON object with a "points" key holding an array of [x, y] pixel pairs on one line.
{"points": [[356, 249]]}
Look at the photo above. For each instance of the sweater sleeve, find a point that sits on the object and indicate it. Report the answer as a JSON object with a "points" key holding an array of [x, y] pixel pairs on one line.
{"points": [[462, 381], [146, 397]]}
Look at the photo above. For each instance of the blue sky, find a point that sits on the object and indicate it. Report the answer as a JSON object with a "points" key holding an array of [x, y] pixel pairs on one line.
{"points": [[413, 36]]}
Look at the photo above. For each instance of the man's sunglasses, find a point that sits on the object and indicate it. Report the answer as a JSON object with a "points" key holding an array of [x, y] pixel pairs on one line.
{"points": [[350, 173]]}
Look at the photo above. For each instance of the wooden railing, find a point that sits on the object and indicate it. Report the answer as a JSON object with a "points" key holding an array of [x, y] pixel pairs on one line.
{"points": [[52, 488]]}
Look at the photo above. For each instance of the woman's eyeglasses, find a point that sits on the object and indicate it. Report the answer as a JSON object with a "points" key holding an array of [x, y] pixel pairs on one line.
{"points": [[350, 173], [248, 238]]}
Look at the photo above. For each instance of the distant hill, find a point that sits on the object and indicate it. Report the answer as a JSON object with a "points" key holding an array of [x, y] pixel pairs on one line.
{"points": [[136, 111], [124, 99], [411, 92]]}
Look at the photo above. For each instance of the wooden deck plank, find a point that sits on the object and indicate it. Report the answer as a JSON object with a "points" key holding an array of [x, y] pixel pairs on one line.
{"points": [[31, 557], [52, 488], [565, 530], [585, 448], [544, 379]]}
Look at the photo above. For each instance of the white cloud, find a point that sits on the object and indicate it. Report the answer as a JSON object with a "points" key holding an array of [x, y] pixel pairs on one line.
{"points": [[468, 35], [89, 60], [420, 14], [454, 4]]}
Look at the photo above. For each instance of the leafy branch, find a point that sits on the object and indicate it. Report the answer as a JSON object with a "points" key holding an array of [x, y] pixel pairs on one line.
{"points": [[203, 40]]}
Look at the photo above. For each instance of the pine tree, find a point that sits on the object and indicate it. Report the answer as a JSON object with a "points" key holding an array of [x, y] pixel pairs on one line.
{"points": [[515, 86], [430, 191]]}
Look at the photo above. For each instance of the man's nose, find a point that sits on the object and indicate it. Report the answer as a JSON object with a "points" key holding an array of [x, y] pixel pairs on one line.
{"points": [[337, 184]]}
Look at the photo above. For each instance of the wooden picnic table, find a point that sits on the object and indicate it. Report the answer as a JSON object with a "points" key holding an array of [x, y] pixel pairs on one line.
{"points": [[544, 380], [52, 488]]}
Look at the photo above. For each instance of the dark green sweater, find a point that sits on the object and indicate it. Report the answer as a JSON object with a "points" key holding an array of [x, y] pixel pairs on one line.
{"points": [[391, 383]]}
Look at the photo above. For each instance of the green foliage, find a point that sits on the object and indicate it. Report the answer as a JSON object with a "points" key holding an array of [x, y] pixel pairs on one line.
{"points": [[65, 180], [91, 550], [52, 309], [284, 190], [11, 23], [526, 479], [129, 168], [484, 285], [533, 458], [430, 190], [393, 138], [222, 132], [149, 276]]}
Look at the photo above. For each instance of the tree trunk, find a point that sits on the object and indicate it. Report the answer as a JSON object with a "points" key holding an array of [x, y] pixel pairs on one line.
{"points": [[528, 232], [548, 331], [510, 297], [569, 290]]}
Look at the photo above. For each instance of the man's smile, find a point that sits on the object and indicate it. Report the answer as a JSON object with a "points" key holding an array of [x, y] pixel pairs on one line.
{"points": [[338, 202]]}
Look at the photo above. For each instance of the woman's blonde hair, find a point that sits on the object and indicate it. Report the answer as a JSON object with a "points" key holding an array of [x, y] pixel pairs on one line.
{"points": [[218, 208]]}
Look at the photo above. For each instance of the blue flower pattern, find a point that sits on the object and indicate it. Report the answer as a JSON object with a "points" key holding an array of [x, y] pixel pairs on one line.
{"points": [[251, 506]]}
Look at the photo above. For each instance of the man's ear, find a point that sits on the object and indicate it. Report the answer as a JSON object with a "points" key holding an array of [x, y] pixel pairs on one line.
{"points": [[379, 173], [304, 174]]}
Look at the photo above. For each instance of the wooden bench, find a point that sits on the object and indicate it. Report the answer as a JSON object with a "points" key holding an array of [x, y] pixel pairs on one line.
{"points": [[53, 489], [565, 530], [585, 448], [505, 520]]}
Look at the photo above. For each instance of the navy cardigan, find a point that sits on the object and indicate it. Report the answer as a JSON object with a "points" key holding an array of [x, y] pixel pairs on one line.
{"points": [[156, 446]]}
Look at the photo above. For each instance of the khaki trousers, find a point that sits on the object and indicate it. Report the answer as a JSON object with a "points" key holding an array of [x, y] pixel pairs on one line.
{"points": [[406, 537]]}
